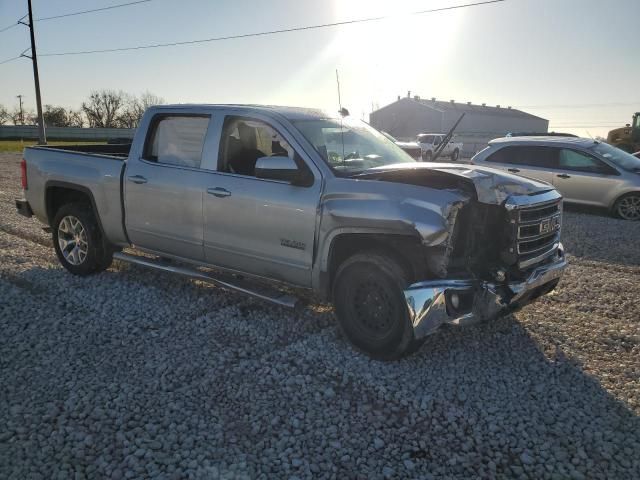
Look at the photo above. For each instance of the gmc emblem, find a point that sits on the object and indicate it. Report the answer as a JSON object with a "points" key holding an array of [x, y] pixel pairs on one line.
{"points": [[550, 225]]}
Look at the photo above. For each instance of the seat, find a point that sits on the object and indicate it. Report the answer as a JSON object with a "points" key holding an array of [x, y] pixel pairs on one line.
{"points": [[241, 153]]}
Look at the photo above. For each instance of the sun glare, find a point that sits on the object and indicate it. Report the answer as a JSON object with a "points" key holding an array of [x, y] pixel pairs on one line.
{"points": [[397, 53]]}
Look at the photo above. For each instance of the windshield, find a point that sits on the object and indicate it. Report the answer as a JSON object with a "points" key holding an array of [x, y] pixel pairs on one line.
{"points": [[350, 146], [389, 136], [618, 157]]}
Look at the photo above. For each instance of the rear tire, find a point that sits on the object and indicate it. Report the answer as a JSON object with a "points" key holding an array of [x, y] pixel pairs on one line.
{"points": [[428, 156], [455, 155], [78, 241], [371, 308], [627, 207]]}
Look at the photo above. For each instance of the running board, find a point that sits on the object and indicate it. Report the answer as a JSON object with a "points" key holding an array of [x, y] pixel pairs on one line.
{"points": [[275, 297]]}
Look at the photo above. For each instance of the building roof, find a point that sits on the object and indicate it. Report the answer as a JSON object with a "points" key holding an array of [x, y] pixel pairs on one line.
{"points": [[441, 106]]}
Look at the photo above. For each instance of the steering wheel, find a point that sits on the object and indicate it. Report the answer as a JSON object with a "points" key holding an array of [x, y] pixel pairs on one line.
{"points": [[352, 155]]}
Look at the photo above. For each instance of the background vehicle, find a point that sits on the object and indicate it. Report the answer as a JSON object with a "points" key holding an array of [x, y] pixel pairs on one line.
{"points": [[412, 148], [287, 196], [627, 138], [583, 170], [430, 141]]}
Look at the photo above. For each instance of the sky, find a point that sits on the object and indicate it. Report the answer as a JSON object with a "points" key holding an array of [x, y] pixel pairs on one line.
{"points": [[574, 62]]}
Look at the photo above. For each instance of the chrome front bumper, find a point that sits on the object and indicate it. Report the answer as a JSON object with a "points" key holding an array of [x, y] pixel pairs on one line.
{"points": [[431, 303]]}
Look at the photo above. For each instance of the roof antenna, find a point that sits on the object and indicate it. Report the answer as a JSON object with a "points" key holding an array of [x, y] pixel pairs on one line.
{"points": [[343, 111]]}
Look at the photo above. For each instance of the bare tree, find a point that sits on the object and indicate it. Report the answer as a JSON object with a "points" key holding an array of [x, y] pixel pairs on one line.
{"points": [[55, 116], [26, 117], [130, 114], [148, 99], [103, 108], [75, 118], [135, 107], [4, 115]]}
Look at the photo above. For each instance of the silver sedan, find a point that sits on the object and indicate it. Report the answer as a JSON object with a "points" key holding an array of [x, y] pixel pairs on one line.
{"points": [[583, 170]]}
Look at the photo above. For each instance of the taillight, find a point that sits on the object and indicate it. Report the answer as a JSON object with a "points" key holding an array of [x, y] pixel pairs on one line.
{"points": [[23, 174]]}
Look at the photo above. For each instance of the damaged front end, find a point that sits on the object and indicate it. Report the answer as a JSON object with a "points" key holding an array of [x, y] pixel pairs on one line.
{"points": [[464, 301], [502, 249]]}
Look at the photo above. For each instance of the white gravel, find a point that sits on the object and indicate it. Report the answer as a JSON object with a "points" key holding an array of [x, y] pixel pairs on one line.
{"points": [[133, 374]]}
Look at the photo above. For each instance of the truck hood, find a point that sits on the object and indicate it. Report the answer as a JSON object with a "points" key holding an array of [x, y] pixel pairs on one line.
{"points": [[491, 186]]}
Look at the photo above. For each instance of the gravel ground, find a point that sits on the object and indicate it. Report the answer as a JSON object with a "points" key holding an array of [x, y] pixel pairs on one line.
{"points": [[132, 374]]}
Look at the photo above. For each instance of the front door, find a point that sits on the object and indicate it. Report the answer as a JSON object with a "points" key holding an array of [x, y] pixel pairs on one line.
{"points": [[262, 227], [163, 189], [582, 178]]}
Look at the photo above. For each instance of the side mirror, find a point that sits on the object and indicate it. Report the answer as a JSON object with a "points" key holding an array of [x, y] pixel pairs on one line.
{"points": [[282, 168]]}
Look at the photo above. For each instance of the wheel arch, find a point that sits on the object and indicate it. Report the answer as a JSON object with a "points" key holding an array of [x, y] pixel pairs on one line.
{"points": [[407, 250], [58, 193]]}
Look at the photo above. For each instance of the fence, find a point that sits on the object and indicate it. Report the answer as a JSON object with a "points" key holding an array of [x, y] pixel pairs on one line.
{"points": [[30, 132]]}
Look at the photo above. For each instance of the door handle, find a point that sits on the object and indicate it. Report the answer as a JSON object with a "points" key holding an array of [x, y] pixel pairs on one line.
{"points": [[563, 175], [137, 179], [514, 170], [219, 192]]}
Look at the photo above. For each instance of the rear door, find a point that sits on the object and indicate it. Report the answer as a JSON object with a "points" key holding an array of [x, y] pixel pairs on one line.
{"points": [[583, 178], [258, 226], [163, 187], [529, 161]]}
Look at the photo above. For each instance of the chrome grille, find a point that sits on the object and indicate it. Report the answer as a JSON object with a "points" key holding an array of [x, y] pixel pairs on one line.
{"points": [[537, 229]]}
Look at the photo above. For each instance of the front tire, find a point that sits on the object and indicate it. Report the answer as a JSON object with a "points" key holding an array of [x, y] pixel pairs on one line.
{"points": [[428, 156], [78, 240], [455, 155], [370, 305], [627, 207]]}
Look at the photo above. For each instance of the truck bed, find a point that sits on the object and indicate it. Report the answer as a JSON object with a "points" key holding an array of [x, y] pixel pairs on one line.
{"points": [[96, 170], [118, 150]]}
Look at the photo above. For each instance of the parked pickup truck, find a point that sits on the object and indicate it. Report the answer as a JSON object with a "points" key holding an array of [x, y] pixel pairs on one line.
{"points": [[430, 141], [412, 148], [257, 199]]}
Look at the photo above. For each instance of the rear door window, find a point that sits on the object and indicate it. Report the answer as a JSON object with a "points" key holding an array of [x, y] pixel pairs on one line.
{"points": [[532, 156], [177, 140]]}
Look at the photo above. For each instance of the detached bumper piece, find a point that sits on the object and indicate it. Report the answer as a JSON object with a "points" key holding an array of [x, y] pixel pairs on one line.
{"points": [[24, 208], [433, 303]]}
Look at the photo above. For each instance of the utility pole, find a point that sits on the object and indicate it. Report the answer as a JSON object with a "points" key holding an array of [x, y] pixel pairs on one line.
{"points": [[19, 97], [42, 138]]}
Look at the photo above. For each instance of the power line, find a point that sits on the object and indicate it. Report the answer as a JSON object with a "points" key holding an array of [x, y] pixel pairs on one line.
{"points": [[82, 12], [10, 59], [270, 32], [8, 27]]}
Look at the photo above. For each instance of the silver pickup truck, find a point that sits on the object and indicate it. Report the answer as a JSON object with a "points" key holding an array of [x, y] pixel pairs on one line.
{"points": [[261, 199]]}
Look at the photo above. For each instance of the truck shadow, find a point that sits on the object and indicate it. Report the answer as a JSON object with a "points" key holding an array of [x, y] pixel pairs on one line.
{"points": [[521, 395]]}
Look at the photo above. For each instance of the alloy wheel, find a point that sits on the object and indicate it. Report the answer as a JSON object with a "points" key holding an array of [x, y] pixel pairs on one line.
{"points": [[72, 240], [629, 207]]}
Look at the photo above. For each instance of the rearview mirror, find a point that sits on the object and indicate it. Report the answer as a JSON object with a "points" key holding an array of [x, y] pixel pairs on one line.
{"points": [[278, 168]]}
